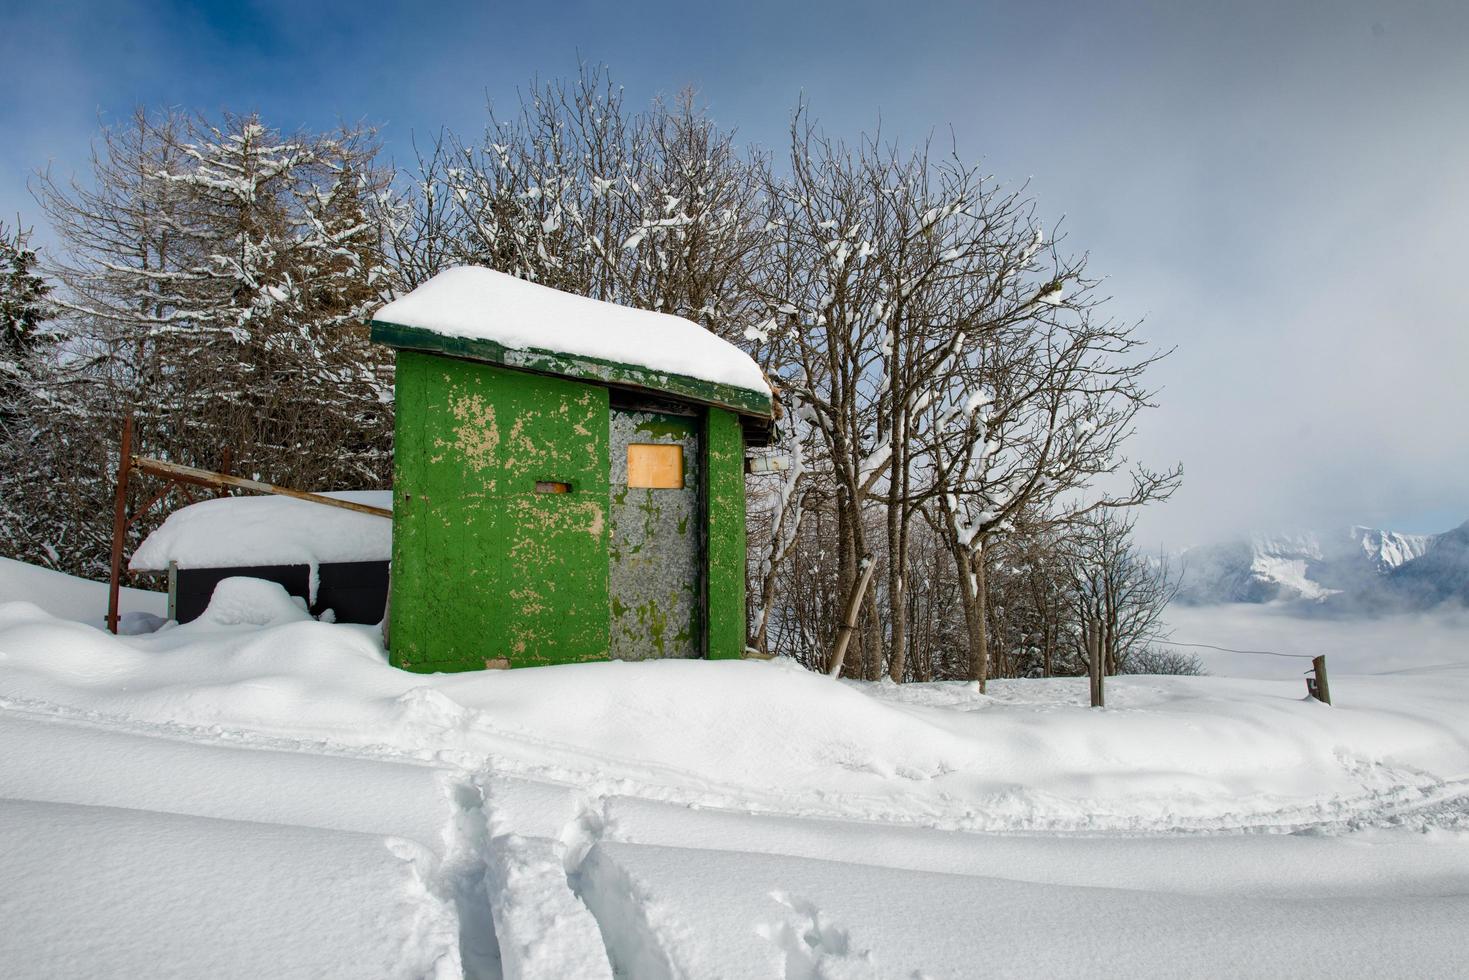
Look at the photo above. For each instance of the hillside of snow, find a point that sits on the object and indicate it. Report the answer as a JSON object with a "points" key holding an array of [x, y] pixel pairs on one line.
{"points": [[257, 793], [1360, 568]]}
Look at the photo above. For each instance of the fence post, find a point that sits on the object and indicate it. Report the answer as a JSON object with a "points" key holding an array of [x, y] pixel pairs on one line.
{"points": [[1091, 673], [119, 519], [1094, 664], [1321, 689]]}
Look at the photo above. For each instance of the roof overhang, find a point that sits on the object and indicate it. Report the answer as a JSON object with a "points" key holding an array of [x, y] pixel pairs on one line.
{"points": [[753, 406]]}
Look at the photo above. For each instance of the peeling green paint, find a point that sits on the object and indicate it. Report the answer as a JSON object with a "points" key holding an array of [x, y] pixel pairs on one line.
{"points": [[489, 573], [661, 427], [484, 567], [724, 468]]}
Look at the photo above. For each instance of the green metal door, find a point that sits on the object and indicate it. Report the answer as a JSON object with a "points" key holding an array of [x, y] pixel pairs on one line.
{"points": [[654, 581], [489, 568]]}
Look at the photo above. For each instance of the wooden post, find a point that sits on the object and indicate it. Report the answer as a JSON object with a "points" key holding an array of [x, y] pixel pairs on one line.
{"points": [[119, 520], [854, 605], [1091, 660], [1322, 690], [1095, 665]]}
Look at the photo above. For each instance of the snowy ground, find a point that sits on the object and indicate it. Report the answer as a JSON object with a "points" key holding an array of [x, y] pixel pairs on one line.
{"points": [[74, 598], [258, 794]]}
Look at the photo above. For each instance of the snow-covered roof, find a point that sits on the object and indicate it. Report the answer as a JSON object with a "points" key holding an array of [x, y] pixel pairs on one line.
{"points": [[242, 531], [486, 315]]}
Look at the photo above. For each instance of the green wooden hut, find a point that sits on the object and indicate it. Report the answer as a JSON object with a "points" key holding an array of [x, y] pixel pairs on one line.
{"points": [[568, 478]]}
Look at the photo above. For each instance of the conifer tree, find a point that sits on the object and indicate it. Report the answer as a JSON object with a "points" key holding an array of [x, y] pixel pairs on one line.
{"points": [[42, 472], [24, 311], [216, 277]]}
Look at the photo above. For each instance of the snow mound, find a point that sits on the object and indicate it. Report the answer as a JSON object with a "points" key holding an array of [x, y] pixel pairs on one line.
{"points": [[481, 304], [241, 601], [137, 622], [1203, 753], [243, 531], [271, 798], [83, 600]]}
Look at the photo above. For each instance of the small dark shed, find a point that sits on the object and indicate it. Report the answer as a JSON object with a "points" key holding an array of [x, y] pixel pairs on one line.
{"points": [[332, 559]]}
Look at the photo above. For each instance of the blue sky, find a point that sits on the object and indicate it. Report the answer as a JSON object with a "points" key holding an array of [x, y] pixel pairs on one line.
{"points": [[1279, 190]]}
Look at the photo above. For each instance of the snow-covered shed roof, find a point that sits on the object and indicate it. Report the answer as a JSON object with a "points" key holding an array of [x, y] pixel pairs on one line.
{"points": [[243, 531], [484, 315]]}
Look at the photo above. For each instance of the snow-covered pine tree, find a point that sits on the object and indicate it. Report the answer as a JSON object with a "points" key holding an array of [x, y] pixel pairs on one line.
{"points": [[218, 275], [43, 469], [275, 361], [24, 310], [345, 278]]}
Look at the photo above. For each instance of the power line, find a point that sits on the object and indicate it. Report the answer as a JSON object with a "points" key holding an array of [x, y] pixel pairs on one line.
{"points": [[1263, 653]]}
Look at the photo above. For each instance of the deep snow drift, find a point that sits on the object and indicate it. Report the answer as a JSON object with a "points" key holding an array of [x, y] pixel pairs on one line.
{"points": [[79, 599], [173, 797]]}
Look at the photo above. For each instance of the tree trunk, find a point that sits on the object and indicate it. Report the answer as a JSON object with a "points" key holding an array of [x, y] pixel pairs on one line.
{"points": [[897, 598], [850, 548], [767, 596], [981, 643], [970, 566]]}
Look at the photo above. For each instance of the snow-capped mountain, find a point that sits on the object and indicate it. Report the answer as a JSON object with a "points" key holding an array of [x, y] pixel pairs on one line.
{"points": [[1358, 566], [1389, 549], [1440, 575]]}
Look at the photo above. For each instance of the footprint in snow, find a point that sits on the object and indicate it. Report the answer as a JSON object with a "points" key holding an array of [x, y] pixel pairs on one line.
{"points": [[815, 947]]}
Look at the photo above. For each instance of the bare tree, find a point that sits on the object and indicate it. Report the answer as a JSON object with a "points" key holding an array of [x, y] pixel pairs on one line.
{"points": [[1153, 660], [1052, 399], [1118, 590], [874, 289], [779, 499], [654, 209], [950, 360]]}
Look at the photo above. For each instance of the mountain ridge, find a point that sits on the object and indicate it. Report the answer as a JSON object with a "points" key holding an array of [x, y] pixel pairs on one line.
{"points": [[1360, 567]]}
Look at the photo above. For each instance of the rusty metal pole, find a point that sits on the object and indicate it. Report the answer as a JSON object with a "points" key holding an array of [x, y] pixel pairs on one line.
{"points": [[190, 476], [119, 520]]}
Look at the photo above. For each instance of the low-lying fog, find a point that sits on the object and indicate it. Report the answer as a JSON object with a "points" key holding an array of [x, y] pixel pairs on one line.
{"points": [[1379, 645]]}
